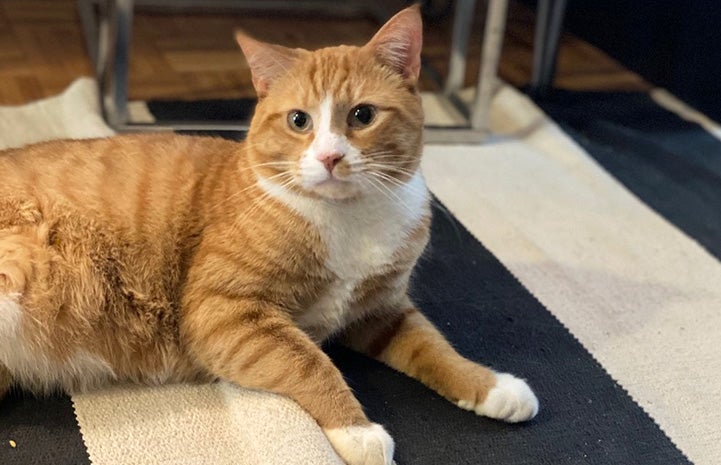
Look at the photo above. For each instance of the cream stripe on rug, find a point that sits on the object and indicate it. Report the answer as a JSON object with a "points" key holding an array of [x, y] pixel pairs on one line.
{"points": [[181, 424], [188, 425], [641, 296]]}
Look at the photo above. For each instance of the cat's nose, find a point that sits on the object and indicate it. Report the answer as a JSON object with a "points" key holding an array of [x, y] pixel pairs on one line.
{"points": [[330, 159]]}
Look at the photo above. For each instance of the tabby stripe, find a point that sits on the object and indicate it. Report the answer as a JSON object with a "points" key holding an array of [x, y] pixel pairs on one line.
{"points": [[415, 354], [144, 189], [107, 198], [261, 350], [384, 336], [266, 336]]}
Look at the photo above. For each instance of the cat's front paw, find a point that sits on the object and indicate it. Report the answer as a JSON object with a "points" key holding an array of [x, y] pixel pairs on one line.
{"points": [[362, 445], [511, 400]]}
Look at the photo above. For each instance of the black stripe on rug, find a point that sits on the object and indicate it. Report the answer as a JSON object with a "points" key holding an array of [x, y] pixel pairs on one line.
{"points": [[490, 317], [585, 417], [671, 164], [43, 431]]}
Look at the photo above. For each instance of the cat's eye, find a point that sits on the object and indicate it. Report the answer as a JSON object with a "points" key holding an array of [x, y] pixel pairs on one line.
{"points": [[361, 116], [299, 121]]}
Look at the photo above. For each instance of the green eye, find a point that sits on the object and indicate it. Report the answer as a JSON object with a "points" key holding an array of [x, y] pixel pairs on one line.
{"points": [[299, 121], [361, 116]]}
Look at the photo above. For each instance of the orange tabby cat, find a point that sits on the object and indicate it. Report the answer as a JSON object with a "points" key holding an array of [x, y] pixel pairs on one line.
{"points": [[162, 258]]}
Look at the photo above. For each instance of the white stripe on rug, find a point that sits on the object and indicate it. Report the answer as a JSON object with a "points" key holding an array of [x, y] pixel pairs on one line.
{"points": [[640, 295], [671, 103], [182, 424], [74, 114]]}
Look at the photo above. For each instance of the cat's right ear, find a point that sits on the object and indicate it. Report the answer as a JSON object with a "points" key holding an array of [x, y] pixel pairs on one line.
{"points": [[267, 61], [398, 43]]}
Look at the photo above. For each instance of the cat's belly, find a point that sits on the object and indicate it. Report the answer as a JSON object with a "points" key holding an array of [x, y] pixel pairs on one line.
{"points": [[35, 365], [33, 368]]}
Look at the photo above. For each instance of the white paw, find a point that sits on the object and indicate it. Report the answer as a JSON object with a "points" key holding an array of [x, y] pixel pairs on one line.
{"points": [[509, 400], [362, 445]]}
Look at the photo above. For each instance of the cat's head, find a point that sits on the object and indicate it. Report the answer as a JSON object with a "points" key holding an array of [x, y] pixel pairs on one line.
{"points": [[338, 122]]}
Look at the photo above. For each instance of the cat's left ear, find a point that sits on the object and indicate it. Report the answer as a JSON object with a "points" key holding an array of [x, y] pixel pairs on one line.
{"points": [[398, 43], [267, 62]]}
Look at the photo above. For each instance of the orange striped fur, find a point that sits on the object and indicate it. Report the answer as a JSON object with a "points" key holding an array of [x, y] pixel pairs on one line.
{"points": [[166, 258]]}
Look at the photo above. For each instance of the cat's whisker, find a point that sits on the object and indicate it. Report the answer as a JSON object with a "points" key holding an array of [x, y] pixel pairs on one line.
{"points": [[255, 204], [375, 185], [380, 162], [271, 164], [379, 169], [390, 179], [394, 168], [393, 181], [259, 201], [235, 195], [365, 162], [383, 155], [449, 216], [264, 165], [390, 192], [367, 166], [379, 152], [395, 197]]}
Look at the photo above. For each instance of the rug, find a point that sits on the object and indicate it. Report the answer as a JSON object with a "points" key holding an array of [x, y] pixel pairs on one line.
{"points": [[546, 260]]}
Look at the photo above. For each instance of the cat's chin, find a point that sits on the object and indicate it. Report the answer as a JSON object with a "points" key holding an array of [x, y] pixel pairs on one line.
{"points": [[335, 189]]}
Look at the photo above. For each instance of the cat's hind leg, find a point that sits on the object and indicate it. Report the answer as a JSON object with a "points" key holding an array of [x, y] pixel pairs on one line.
{"points": [[9, 319], [408, 342], [9, 324], [20, 253], [17, 260]]}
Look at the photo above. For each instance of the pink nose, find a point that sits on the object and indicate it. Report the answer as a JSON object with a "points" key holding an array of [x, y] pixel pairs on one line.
{"points": [[330, 160]]}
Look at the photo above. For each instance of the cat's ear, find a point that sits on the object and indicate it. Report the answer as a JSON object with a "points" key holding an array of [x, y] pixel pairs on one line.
{"points": [[398, 43], [267, 61]]}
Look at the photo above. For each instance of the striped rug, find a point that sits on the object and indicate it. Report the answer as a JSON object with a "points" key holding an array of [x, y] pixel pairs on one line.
{"points": [[579, 248]]}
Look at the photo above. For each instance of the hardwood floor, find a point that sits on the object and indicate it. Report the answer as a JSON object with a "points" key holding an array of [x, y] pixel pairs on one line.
{"points": [[193, 56]]}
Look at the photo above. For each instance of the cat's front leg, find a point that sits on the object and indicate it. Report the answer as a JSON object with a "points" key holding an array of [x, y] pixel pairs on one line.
{"points": [[408, 342], [256, 345]]}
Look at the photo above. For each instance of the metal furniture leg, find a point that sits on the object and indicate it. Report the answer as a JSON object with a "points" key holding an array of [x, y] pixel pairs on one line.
{"points": [[462, 22], [114, 83], [549, 23], [475, 129], [492, 46]]}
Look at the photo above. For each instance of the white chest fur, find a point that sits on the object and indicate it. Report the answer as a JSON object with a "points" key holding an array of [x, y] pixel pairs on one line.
{"points": [[361, 237]]}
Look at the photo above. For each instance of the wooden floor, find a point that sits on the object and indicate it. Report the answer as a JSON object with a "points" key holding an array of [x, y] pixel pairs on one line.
{"points": [[193, 56]]}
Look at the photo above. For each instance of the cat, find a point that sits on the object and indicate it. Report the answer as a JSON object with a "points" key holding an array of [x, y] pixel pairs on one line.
{"points": [[161, 258]]}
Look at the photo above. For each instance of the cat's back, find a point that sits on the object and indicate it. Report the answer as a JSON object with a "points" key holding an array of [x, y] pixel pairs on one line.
{"points": [[119, 160], [129, 179]]}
